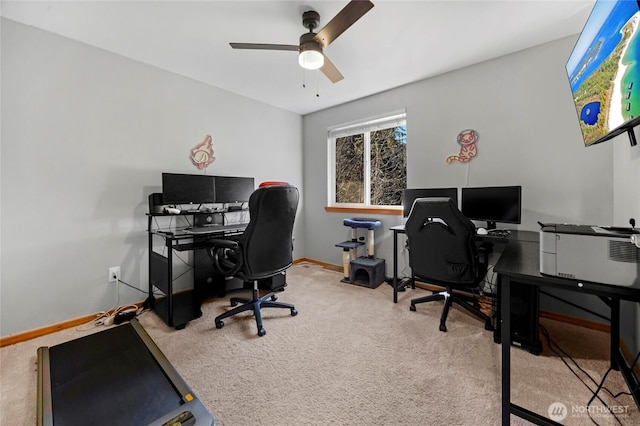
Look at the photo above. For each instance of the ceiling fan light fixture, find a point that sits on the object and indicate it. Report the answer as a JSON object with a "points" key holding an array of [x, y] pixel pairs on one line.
{"points": [[311, 59], [311, 56]]}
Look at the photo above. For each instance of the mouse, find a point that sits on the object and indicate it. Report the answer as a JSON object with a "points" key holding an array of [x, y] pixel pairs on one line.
{"points": [[482, 231]]}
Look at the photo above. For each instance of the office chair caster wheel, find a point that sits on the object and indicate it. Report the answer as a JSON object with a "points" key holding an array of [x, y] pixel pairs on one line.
{"points": [[219, 324], [412, 308], [443, 328], [294, 312], [488, 326], [262, 332], [274, 297], [234, 303]]}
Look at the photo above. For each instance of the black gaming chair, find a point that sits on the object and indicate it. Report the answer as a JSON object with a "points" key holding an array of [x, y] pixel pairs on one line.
{"points": [[442, 251], [264, 249]]}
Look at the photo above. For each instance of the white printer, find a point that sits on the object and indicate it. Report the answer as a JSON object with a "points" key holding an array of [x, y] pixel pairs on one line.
{"points": [[591, 253]]}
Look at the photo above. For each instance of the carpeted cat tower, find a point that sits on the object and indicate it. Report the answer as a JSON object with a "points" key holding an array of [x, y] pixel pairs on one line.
{"points": [[367, 271]]}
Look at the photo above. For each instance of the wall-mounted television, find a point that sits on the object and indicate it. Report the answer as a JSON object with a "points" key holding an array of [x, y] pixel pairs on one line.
{"points": [[492, 204], [410, 195], [604, 71]]}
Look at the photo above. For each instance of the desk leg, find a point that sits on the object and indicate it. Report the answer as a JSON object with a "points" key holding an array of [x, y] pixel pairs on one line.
{"points": [[169, 294], [505, 328], [395, 266], [150, 299], [615, 332]]}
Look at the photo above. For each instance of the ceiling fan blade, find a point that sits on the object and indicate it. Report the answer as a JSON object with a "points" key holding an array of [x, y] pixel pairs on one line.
{"points": [[331, 71], [264, 46], [342, 21]]}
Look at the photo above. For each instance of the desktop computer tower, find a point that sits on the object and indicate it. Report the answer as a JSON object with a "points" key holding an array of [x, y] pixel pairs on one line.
{"points": [[525, 302], [207, 283]]}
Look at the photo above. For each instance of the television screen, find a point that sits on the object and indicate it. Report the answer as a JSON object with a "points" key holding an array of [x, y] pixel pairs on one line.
{"points": [[187, 189], [492, 204], [230, 189], [604, 71], [410, 195]]}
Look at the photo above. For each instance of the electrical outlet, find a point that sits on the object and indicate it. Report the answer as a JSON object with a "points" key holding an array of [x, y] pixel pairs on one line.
{"points": [[114, 274]]}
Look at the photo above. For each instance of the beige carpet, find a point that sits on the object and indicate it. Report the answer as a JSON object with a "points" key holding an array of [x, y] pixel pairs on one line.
{"points": [[350, 357]]}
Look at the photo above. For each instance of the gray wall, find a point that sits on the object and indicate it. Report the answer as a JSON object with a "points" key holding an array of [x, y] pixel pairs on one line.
{"points": [[528, 135], [86, 133], [85, 137], [626, 204], [521, 106]]}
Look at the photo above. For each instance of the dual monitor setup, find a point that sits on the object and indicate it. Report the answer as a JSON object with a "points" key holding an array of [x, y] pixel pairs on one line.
{"points": [[195, 190], [491, 204]]}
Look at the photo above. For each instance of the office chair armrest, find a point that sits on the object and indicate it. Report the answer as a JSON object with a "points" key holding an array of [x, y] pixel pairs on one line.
{"points": [[226, 256], [220, 243]]}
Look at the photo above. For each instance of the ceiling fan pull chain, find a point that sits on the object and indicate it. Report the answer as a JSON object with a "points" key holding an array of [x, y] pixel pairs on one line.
{"points": [[304, 80], [317, 83]]}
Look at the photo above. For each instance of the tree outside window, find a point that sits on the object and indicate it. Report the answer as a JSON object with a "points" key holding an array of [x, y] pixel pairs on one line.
{"points": [[370, 162]]}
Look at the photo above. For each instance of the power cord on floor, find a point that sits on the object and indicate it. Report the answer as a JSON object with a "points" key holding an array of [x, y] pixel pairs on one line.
{"points": [[489, 280], [113, 316], [117, 314], [634, 390], [555, 348]]}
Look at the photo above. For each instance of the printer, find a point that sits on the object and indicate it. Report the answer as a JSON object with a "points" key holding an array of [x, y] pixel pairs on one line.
{"points": [[592, 253]]}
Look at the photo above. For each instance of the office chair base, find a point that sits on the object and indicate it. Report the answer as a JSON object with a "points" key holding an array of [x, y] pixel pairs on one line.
{"points": [[449, 298], [254, 304]]}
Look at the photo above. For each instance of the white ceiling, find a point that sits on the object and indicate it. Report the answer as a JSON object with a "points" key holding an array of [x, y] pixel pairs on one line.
{"points": [[395, 43]]}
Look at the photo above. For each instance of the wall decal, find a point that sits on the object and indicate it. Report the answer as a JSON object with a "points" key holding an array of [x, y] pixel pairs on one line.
{"points": [[202, 154], [468, 148]]}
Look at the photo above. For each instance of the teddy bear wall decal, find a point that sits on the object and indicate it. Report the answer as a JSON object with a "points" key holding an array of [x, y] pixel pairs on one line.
{"points": [[467, 139]]}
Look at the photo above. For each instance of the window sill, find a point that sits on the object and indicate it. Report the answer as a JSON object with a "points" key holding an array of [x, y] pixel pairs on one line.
{"points": [[388, 210]]}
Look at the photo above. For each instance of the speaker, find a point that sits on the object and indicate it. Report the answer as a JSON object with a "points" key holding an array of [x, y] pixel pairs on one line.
{"points": [[155, 202], [276, 283]]}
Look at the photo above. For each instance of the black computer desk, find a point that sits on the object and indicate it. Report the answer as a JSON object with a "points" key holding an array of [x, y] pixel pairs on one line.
{"points": [[513, 236], [178, 308], [520, 263]]}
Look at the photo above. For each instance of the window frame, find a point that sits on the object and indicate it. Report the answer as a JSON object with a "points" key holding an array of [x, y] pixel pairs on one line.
{"points": [[365, 126]]}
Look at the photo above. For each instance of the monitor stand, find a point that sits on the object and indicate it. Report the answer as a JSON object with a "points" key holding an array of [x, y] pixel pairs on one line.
{"points": [[632, 137]]}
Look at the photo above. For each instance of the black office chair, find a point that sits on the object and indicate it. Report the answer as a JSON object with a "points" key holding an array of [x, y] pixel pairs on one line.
{"points": [[264, 250], [442, 251]]}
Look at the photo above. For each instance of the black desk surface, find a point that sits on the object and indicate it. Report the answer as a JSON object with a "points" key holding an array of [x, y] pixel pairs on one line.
{"points": [[514, 234], [521, 259]]}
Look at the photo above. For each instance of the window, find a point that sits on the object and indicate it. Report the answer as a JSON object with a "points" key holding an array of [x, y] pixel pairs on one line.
{"points": [[368, 162]]}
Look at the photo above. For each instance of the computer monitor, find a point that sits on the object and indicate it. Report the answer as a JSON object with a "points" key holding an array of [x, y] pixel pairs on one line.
{"points": [[178, 188], [492, 204], [410, 195], [231, 189]]}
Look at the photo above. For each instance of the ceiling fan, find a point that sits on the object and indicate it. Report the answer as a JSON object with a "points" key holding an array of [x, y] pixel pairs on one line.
{"points": [[311, 45]]}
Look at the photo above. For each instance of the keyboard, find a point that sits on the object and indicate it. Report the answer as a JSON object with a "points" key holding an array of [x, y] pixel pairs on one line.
{"points": [[215, 229], [499, 233]]}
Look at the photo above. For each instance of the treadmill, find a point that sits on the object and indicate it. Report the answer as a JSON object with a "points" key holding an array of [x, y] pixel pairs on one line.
{"points": [[117, 376]]}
